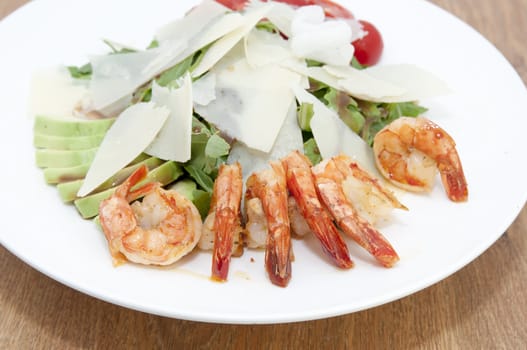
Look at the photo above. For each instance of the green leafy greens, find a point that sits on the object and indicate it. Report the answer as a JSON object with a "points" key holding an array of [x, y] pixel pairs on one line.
{"points": [[365, 118]]}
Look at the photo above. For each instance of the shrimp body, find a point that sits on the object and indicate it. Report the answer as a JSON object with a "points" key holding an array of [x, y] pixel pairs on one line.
{"points": [[369, 197], [225, 216], [160, 230], [299, 225], [269, 187], [256, 229], [301, 185], [329, 177], [409, 151]]}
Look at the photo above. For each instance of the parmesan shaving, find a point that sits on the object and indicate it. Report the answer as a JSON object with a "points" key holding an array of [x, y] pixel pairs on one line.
{"points": [[251, 104], [193, 22], [204, 89], [333, 136], [174, 139], [326, 41], [130, 134], [418, 82], [289, 139], [262, 47], [228, 41]]}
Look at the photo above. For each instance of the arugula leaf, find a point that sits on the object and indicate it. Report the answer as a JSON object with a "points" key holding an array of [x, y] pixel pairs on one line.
{"points": [[378, 115], [313, 63], [217, 147], [171, 75], [201, 178], [268, 26], [346, 107], [356, 64], [407, 109], [82, 72], [143, 93], [116, 50], [85, 71], [153, 44], [208, 151], [363, 117]]}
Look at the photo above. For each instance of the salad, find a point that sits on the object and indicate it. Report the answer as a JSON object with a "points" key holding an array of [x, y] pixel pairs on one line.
{"points": [[241, 123]]}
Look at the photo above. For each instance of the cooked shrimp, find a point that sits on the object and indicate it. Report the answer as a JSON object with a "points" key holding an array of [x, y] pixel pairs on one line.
{"points": [[409, 151], [364, 191], [269, 186], [301, 185], [330, 177], [160, 230], [256, 224], [223, 219]]}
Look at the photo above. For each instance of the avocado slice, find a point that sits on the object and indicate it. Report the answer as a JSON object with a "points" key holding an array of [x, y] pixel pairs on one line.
{"points": [[166, 173], [185, 187], [60, 175], [71, 127], [50, 158], [68, 190], [66, 142], [200, 198]]}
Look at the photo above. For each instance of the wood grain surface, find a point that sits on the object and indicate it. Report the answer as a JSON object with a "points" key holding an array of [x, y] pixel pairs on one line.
{"points": [[482, 306]]}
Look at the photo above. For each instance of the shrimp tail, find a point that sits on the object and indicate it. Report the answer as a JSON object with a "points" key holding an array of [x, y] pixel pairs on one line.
{"points": [[224, 221], [270, 187], [301, 185], [328, 180], [278, 245], [322, 226], [454, 183], [371, 240], [225, 204], [125, 189], [278, 257]]}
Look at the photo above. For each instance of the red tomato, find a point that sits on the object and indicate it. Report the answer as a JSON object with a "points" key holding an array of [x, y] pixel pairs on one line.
{"points": [[330, 8], [368, 50]]}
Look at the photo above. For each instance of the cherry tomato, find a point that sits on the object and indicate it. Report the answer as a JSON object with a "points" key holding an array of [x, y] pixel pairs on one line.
{"points": [[330, 8], [368, 50]]}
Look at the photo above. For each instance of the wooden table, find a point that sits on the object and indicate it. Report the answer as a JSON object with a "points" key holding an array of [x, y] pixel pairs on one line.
{"points": [[483, 306]]}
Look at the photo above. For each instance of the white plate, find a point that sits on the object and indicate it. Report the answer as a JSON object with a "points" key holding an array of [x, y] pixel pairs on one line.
{"points": [[485, 115]]}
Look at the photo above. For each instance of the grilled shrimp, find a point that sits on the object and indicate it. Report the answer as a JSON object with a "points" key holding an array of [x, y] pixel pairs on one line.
{"points": [[409, 151], [269, 188], [222, 228], [256, 225], [373, 201], [160, 230], [330, 176], [301, 185]]}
